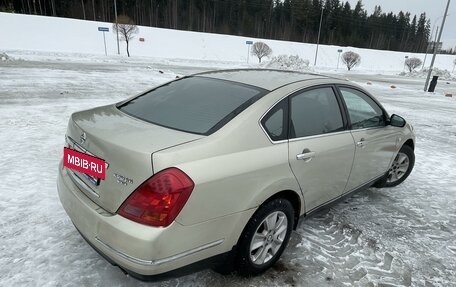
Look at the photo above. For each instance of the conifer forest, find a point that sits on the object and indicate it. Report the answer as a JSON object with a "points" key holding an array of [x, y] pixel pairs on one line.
{"points": [[291, 20]]}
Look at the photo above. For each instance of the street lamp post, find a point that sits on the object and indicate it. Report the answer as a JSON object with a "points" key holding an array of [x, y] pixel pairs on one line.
{"points": [[339, 51], [117, 26], [405, 61], [435, 47], [318, 39]]}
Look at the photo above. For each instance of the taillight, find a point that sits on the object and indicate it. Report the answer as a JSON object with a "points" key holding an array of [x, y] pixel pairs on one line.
{"points": [[158, 201]]}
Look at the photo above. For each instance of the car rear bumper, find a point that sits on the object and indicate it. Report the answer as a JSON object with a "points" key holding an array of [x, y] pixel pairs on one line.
{"points": [[143, 249]]}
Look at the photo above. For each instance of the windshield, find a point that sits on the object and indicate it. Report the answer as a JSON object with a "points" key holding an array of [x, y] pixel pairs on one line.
{"points": [[194, 104]]}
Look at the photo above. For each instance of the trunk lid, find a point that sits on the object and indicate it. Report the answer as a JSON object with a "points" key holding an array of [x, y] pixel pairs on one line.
{"points": [[125, 143]]}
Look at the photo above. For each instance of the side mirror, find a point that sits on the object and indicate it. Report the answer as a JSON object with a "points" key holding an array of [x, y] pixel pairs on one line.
{"points": [[397, 121]]}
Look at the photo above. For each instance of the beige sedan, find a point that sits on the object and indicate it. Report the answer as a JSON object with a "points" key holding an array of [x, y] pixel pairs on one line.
{"points": [[223, 163]]}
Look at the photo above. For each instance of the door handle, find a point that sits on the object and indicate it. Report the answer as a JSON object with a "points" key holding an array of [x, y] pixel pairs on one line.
{"points": [[362, 143], [306, 156]]}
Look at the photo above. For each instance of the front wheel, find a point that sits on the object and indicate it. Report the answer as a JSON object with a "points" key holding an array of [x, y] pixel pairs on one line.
{"points": [[401, 168], [265, 237]]}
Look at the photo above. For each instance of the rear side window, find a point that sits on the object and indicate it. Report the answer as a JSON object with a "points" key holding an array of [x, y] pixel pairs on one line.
{"points": [[315, 112], [195, 104], [275, 121]]}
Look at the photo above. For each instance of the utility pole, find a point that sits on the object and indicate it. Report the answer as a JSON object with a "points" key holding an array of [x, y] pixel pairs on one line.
{"points": [[427, 48], [318, 39], [436, 32], [435, 47], [117, 27]]}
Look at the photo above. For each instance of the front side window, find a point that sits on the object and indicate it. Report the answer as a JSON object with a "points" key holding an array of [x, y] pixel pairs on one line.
{"points": [[315, 112], [195, 104], [364, 112]]}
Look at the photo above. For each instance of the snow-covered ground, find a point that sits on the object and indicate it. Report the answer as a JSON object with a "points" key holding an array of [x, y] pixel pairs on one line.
{"points": [[404, 236]]}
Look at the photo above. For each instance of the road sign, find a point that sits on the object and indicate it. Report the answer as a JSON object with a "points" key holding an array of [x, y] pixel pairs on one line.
{"points": [[104, 29], [248, 49], [340, 51]]}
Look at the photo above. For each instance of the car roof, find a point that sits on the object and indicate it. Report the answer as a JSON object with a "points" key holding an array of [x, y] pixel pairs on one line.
{"points": [[263, 78]]}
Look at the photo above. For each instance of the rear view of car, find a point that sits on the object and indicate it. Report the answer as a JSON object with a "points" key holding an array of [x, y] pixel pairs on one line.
{"points": [[130, 214], [223, 163]]}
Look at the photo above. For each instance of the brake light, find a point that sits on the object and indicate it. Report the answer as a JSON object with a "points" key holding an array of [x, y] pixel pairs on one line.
{"points": [[158, 201]]}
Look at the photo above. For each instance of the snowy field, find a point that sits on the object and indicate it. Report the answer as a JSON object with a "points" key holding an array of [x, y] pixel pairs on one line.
{"points": [[63, 35], [404, 236]]}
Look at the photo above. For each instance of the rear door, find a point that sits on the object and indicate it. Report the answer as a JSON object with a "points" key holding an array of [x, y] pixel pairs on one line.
{"points": [[321, 150], [375, 141]]}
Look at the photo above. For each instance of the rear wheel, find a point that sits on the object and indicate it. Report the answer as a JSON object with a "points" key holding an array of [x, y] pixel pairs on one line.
{"points": [[265, 237], [400, 169]]}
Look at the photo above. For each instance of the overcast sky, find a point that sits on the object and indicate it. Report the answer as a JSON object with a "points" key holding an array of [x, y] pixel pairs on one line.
{"points": [[434, 10]]}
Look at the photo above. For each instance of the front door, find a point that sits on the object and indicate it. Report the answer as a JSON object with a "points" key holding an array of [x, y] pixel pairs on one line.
{"points": [[375, 141], [321, 151]]}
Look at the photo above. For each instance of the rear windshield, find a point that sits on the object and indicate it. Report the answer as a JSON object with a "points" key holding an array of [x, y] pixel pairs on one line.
{"points": [[195, 104]]}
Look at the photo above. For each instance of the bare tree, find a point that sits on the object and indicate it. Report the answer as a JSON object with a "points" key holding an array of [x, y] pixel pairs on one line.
{"points": [[454, 64], [126, 28], [413, 63], [261, 50], [351, 59]]}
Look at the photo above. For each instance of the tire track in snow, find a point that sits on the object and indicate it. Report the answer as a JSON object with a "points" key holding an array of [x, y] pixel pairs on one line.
{"points": [[348, 257]]}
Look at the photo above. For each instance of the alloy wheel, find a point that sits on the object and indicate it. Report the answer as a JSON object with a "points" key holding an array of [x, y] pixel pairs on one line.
{"points": [[399, 168], [268, 238]]}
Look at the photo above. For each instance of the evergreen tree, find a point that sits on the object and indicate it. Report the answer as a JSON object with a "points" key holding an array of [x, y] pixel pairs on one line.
{"points": [[295, 20]]}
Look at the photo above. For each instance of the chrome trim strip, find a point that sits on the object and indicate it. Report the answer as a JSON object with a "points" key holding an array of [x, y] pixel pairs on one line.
{"points": [[159, 261], [78, 146], [367, 129], [81, 183], [266, 133], [319, 136]]}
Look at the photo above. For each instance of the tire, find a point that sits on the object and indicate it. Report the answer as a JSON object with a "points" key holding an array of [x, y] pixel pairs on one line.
{"points": [[267, 225], [401, 168]]}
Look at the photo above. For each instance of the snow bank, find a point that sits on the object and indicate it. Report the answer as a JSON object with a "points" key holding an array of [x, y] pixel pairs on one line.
{"points": [[52, 34], [4, 57], [443, 74], [285, 62]]}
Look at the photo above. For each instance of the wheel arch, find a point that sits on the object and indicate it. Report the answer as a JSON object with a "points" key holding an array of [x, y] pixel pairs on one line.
{"points": [[410, 143], [295, 200]]}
